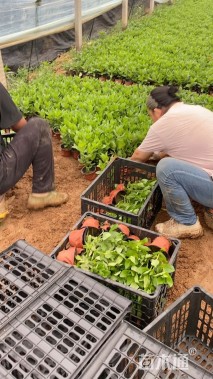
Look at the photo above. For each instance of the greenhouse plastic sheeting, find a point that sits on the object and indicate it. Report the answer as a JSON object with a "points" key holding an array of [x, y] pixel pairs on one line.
{"points": [[30, 54], [18, 19]]}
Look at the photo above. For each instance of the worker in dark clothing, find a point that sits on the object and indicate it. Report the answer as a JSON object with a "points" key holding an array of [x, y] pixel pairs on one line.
{"points": [[31, 145]]}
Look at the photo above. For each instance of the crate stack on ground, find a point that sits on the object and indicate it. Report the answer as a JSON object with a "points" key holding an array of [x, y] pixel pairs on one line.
{"points": [[24, 273], [53, 318]]}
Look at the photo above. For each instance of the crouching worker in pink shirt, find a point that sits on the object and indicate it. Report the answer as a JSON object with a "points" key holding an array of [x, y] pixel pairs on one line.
{"points": [[31, 145], [184, 135]]}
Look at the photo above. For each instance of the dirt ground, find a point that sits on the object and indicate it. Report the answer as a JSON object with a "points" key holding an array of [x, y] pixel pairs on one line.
{"points": [[44, 229]]}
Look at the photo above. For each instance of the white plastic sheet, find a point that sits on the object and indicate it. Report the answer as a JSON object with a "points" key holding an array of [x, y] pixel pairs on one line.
{"points": [[22, 20]]}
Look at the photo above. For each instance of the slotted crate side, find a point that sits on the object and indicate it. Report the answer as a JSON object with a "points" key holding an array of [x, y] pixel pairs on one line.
{"points": [[56, 335], [187, 326], [145, 307], [123, 171], [130, 353], [24, 273]]}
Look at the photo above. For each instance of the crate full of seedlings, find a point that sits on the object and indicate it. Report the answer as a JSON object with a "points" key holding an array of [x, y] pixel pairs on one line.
{"points": [[125, 190], [186, 326], [136, 263], [60, 331], [24, 273], [131, 353]]}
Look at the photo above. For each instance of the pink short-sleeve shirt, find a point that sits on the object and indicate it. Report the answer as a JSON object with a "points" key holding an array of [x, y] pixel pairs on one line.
{"points": [[184, 132]]}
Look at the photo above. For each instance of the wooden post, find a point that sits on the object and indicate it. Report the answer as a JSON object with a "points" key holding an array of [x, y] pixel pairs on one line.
{"points": [[151, 5], [2, 72], [124, 14], [78, 25]]}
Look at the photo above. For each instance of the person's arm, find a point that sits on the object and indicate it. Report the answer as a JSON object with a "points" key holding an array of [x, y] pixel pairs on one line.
{"points": [[140, 155], [18, 125], [11, 117]]}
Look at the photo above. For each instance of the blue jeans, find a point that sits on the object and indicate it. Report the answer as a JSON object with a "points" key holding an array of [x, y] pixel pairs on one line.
{"points": [[181, 181]]}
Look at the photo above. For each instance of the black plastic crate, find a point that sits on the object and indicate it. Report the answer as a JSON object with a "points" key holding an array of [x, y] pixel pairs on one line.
{"points": [[187, 327], [123, 171], [60, 331], [24, 272], [132, 354], [145, 307]]}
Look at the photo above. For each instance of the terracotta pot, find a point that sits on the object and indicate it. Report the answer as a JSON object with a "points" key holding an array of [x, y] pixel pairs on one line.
{"points": [[65, 152], [115, 195], [133, 237], [56, 135], [76, 238], [75, 154], [159, 243], [118, 196], [90, 231], [128, 83], [102, 78], [124, 229], [92, 222], [91, 175], [119, 81], [106, 226], [107, 200], [68, 256]]}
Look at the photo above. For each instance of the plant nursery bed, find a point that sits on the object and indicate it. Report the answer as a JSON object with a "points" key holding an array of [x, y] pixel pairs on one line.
{"points": [[123, 171], [60, 331], [187, 327], [145, 307]]}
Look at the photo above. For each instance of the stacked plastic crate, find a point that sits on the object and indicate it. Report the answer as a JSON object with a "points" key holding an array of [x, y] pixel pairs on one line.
{"points": [[53, 319]]}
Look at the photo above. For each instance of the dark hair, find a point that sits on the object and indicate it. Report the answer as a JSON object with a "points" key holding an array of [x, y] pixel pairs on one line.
{"points": [[165, 95]]}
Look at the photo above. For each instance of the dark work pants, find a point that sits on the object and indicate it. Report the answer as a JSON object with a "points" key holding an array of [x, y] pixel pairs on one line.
{"points": [[31, 145]]}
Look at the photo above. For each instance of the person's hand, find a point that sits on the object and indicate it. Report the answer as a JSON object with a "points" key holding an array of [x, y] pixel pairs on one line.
{"points": [[158, 156]]}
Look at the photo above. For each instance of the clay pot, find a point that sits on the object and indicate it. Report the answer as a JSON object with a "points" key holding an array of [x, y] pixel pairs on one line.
{"points": [[115, 195], [68, 256], [133, 237], [91, 175], [102, 78], [119, 81], [56, 135], [107, 200], [128, 83], [124, 229], [160, 243], [75, 154], [76, 238], [92, 222], [106, 226], [65, 152]]}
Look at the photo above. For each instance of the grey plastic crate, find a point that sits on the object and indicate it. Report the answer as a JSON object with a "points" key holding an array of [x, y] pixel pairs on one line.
{"points": [[145, 307], [59, 332], [24, 273], [130, 353], [187, 326]]}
